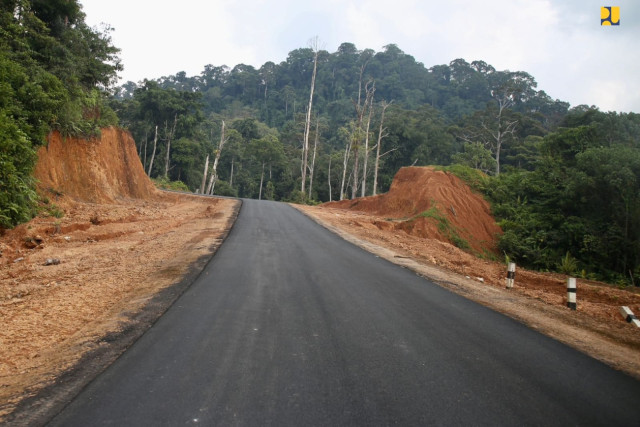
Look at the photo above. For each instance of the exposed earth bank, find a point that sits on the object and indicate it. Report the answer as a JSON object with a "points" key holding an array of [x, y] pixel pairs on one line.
{"points": [[75, 280], [394, 227]]}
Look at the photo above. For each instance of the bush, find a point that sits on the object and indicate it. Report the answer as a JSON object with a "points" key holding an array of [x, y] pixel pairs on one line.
{"points": [[17, 159], [165, 184]]}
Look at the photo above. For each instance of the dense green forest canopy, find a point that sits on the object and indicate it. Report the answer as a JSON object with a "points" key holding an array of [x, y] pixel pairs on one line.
{"points": [[564, 182], [54, 71]]}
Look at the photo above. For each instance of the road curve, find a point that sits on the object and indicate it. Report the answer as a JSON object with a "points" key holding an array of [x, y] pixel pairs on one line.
{"points": [[289, 325]]}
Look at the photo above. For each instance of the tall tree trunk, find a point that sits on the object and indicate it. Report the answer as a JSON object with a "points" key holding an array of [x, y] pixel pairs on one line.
{"points": [[261, 182], [345, 163], [360, 111], [329, 179], [153, 154], [307, 125], [366, 151], [144, 165], [313, 160], [204, 175], [381, 135], [214, 168], [233, 159], [169, 137]]}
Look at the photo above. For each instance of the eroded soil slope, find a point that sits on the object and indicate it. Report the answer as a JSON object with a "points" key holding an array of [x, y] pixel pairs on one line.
{"points": [[431, 204], [70, 285], [101, 170]]}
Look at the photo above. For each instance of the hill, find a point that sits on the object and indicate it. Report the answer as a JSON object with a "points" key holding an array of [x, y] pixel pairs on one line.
{"points": [[434, 204], [100, 170]]}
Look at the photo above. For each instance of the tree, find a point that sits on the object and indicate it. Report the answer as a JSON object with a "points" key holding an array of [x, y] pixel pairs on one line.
{"points": [[307, 125], [214, 169], [382, 133]]}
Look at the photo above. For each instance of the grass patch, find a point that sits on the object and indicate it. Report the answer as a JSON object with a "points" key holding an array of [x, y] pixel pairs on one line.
{"points": [[444, 226], [475, 179]]}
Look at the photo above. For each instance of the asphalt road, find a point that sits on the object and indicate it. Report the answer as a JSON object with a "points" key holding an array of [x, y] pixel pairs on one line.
{"points": [[289, 325]]}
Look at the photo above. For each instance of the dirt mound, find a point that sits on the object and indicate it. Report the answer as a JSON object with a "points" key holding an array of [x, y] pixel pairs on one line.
{"points": [[432, 204], [100, 170]]}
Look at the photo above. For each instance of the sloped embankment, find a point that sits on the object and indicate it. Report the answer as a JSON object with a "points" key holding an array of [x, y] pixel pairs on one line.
{"points": [[433, 204], [100, 170]]}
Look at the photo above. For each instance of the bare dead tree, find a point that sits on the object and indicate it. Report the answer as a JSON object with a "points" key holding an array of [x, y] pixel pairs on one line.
{"points": [[329, 179], [169, 134], [382, 133], [366, 146], [360, 112], [307, 125], [261, 182], [214, 168], [345, 163], [204, 175], [313, 161], [153, 154]]}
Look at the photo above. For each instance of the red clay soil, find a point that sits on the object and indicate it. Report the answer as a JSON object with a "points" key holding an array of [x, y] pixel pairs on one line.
{"points": [[99, 170], [415, 190]]}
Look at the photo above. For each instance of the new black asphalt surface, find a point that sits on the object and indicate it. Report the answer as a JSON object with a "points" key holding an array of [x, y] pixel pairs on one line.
{"points": [[289, 325]]}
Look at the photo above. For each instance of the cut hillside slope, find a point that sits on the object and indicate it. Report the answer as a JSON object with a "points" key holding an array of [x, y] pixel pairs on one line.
{"points": [[78, 287], [428, 203], [100, 170]]}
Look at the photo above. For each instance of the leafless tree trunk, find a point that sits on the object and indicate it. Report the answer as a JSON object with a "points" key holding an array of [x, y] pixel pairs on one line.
{"points": [[313, 161], [329, 179], [233, 160], [261, 182], [307, 126], [169, 137], [204, 175], [214, 168], [146, 139], [382, 132], [505, 128], [360, 111], [153, 154], [366, 150], [345, 163]]}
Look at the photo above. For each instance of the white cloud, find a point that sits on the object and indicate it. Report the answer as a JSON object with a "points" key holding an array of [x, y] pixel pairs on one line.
{"points": [[559, 42]]}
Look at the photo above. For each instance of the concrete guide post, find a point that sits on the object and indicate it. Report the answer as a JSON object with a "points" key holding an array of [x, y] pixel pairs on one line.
{"points": [[571, 293], [511, 274]]}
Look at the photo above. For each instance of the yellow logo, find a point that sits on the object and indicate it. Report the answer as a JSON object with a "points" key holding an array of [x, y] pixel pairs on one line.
{"points": [[610, 15]]}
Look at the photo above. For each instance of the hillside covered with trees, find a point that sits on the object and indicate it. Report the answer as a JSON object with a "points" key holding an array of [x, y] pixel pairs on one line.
{"points": [[564, 182], [320, 126], [54, 72]]}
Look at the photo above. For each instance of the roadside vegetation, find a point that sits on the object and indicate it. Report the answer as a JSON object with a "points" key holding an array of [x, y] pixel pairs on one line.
{"points": [[54, 72]]}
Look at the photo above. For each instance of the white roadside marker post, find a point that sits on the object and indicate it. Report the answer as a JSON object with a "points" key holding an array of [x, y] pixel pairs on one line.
{"points": [[629, 316], [511, 274], [571, 293]]}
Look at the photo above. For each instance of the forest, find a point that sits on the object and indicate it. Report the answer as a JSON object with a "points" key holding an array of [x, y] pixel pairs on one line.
{"points": [[319, 126]]}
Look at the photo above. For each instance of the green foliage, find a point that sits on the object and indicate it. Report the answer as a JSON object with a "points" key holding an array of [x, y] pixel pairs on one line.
{"points": [[17, 158], [582, 197], [165, 184], [474, 178], [53, 73], [224, 189], [568, 265]]}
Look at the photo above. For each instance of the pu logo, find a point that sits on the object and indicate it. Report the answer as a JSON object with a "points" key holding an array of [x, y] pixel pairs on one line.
{"points": [[610, 15]]}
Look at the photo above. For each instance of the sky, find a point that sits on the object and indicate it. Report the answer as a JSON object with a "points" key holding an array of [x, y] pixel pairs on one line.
{"points": [[559, 42]]}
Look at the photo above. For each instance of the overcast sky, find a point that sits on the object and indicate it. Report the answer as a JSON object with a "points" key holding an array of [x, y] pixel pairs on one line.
{"points": [[560, 42]]}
